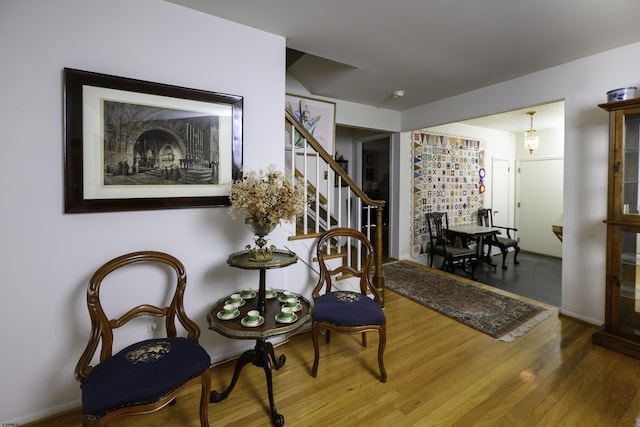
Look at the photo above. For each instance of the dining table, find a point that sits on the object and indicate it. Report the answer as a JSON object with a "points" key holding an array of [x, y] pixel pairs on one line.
{"points": [[477, 233]]}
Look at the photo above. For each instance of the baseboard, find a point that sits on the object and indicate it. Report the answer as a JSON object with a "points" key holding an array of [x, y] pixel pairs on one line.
{"points": [[580, 317]]}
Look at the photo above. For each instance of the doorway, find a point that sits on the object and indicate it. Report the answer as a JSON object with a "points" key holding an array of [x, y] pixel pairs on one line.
{"points": [[375, 179], [531, 200]]}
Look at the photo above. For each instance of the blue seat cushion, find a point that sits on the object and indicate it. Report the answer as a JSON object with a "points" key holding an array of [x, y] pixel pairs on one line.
{"points": [[347, 309], [142, 373]]}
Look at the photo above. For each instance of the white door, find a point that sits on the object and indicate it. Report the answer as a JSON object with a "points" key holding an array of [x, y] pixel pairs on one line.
{"points": [[502, 189], [502, 193], [539, 205]]}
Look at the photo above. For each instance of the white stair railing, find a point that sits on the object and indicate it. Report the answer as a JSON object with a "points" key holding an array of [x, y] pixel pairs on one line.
{"points": [[336, 199]]}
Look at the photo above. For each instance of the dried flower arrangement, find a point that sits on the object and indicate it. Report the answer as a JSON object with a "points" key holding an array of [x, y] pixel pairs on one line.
{"points": [[266, 197]]}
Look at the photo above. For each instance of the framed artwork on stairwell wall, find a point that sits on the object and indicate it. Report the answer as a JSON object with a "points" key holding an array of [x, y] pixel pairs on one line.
{"points": [[317, 116], [136, 145]]}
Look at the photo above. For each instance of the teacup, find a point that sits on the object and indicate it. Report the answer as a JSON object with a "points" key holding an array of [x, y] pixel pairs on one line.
{"points": [[270, 293], [288, 294], [235, 299], [286, 313], [228, 309], [253, 316], [246, 293], [291, 302]]}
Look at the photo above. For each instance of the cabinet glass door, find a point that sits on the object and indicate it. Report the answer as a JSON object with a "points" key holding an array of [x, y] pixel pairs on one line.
{"points": [[631, 152], [629, 298]]}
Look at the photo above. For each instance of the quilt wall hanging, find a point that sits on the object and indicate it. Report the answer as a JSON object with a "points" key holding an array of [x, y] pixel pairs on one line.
{"points": [[448, 176]]}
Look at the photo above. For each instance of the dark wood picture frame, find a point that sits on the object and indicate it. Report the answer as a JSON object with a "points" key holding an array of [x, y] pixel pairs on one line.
{"points": [[171, 135]]}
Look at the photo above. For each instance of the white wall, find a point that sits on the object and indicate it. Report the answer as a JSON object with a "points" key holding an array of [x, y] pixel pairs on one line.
{"points": [[582, 84], [352, 114], [47, 256]]}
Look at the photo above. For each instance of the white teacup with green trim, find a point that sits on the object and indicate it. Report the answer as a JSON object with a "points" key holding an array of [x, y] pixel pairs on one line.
{"points": [[228, 309], [253, 316], [288, 294], [286, 313], [235, 299], [291, 302]]}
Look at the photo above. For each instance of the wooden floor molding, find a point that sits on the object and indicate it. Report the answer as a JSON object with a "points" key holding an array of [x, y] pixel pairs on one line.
{"points": [[441, 373]]}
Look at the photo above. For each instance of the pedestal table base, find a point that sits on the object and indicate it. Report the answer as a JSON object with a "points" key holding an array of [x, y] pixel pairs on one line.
{"points": [[262, 356]]}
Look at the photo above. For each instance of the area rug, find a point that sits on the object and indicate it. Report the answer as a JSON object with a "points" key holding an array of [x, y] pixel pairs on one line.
{"points": [[500, 316]]}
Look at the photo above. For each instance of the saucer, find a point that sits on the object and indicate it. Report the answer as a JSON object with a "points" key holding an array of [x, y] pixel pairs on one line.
{"points": [[245, 322], [298, 307], [289, 320], [233, 315], [270, 295], [253, 295], [240, 304]]}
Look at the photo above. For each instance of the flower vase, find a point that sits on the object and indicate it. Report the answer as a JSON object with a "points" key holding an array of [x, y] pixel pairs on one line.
{"points": [[260, 252]]}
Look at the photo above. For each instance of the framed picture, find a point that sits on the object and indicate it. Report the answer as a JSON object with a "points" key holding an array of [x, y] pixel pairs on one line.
{"points": [[135, 145], [317, 116]]}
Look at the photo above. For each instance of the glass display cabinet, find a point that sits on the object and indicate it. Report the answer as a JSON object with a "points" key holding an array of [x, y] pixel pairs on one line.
{"points": [[621, 330]]}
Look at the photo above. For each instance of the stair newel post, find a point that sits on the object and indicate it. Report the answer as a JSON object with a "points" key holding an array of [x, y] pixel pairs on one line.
{"points": [[378, 279]]}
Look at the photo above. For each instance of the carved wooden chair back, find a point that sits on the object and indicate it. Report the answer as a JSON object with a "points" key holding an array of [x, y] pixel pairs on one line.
{"points": [[439, 245]]}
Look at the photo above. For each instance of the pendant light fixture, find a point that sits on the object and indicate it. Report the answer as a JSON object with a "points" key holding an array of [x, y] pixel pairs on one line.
{"points": [[531, 139]]}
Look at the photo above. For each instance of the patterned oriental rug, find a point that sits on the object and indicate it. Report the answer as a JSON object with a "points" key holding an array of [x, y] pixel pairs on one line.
{"points": [[497, 315]]}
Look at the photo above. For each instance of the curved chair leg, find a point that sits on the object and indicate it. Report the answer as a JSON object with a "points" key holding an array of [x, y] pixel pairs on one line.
{"points": [[474, 265], [382, 342], [504, 258], [315, 330], [515, 256], [204, 399]]}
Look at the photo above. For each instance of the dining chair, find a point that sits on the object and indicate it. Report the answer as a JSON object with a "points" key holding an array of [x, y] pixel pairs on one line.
{"points": [[485, 218], [146, 375], [342, 311], [453, 256]]}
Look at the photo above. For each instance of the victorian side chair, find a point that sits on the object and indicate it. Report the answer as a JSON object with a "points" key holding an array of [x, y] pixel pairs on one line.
{"points": [[347, 312], [149, 374]]}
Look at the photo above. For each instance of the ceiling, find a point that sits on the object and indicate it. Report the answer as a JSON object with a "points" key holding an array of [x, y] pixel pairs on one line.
{"points": [[547, 116], [364, 50]]}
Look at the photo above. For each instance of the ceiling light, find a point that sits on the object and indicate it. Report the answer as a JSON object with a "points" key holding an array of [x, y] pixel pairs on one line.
{"points": [[398, 94], [531, 139]]}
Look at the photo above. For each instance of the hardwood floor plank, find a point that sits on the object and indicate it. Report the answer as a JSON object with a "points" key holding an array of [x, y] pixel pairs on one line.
{"points": [[441, 373]]}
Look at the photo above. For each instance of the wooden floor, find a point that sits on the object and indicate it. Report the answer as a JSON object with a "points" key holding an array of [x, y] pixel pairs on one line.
{"points": [[441, 373]]}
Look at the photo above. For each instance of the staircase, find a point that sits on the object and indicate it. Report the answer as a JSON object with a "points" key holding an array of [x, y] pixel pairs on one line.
{"points": [[336, 201]]}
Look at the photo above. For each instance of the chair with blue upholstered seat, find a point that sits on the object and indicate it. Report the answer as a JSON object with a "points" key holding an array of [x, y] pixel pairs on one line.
{"points": [[343, 311], [147, 375]]}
